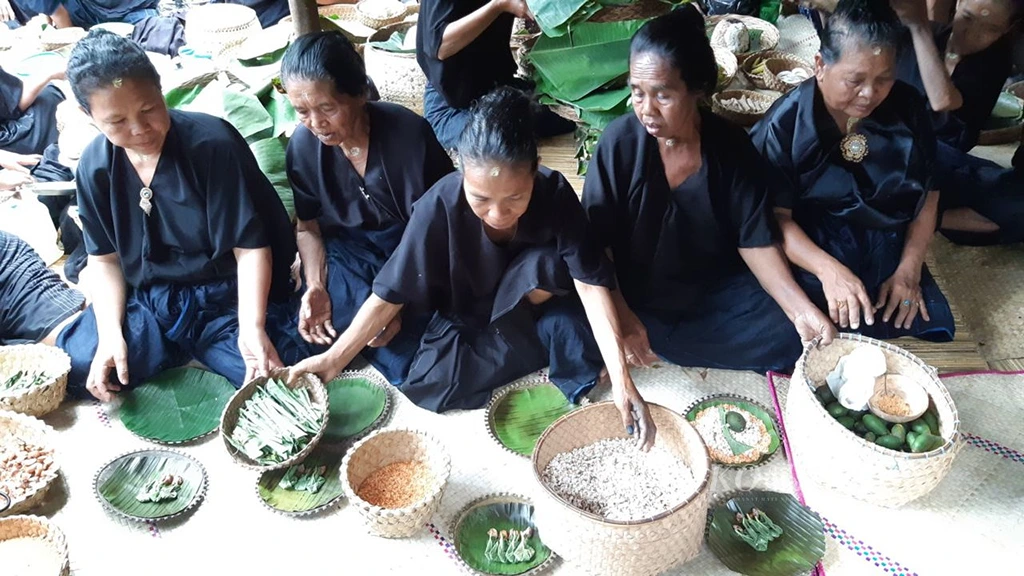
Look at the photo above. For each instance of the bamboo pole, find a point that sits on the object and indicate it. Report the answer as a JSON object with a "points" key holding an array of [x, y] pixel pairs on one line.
{"points": [[305, 16]]}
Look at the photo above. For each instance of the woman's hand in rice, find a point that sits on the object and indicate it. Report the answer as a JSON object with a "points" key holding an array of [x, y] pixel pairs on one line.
{"points": [[636, 417]]}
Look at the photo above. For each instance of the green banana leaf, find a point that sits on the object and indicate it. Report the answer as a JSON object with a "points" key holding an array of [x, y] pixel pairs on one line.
{"points": [[281, 112], [299, 501], [521, 416], [243, 110], [178, 97], [264, 59], [120, 481], [578, 63], [552, 15], [177, 405], [471, 536], [396, 44], [355, 405], [270, 155], [770, 10], [757, 410]]}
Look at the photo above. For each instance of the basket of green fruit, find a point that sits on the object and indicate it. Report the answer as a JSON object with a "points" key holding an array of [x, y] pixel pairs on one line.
{"points": [[33, 378], [835, 425], [271, 424]]}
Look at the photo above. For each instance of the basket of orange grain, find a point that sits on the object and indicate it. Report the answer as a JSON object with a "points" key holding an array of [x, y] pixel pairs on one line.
{"points": [[395, 478]]}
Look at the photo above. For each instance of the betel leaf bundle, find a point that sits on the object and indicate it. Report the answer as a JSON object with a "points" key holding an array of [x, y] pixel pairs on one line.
{"points": [[276, 423]]}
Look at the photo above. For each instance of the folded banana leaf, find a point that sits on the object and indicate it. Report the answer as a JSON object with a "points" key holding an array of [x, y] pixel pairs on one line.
{"points": [[589, 57], [553, 15], [270, 155]]}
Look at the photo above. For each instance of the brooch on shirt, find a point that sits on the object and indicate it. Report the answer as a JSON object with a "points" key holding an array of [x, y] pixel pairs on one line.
{"points": [[145, 200], [854, 145]]}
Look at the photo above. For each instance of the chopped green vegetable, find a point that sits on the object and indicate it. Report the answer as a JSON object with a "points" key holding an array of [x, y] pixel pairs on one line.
{"points": [[276, 423], [23, 380]]}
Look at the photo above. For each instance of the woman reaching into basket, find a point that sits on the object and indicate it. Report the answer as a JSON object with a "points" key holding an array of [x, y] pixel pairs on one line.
{"points": [[852, 155], [189, 245], [356, 168], [498, 253], [677, 197]]}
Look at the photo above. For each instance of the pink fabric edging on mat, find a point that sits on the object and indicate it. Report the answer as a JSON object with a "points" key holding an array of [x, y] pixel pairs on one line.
{"points": [[983, 373]]}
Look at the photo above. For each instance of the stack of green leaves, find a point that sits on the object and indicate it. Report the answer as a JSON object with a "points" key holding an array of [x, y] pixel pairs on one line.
{"points": [[262, 114], [276, 423], [559, 17]]}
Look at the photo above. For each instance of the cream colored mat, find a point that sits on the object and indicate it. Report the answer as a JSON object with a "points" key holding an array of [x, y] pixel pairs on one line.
{"points": [[232, 533], [973, 523], [986, 285]]}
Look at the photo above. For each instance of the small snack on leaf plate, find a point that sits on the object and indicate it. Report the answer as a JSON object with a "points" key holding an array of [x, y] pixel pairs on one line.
{"points": [[496, 535], [736, 430], [148, 485], [307, 488]]}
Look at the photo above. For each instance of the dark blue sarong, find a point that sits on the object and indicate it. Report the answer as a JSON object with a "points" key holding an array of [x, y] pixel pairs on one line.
{"points": [[168, 325]]}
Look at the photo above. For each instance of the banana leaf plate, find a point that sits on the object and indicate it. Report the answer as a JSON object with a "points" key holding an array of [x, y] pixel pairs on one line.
{"points": [[298, 502], [797, 551], [519, 413], [176, 406], [751, 406], [118, 483], [359, 402], [500, 512]]}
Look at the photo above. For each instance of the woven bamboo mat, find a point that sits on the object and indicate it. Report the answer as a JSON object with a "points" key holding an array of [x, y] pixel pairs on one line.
{"points": [[971, 523], [985, 284]]}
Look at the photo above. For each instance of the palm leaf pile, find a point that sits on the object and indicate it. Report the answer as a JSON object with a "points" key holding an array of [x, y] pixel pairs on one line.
{"points": [[262, 114]]}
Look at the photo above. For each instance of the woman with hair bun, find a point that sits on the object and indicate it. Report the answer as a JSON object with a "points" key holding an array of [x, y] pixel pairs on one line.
{"points": [[189, 244], [497, 253], [676, 194], [356, 168], [853, 158]]}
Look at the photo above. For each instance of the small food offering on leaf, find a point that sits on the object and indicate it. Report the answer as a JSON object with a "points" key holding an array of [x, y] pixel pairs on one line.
{"points": [[161, 489], [613, 479], [756, 529], [21, 381], [276, 423], [25, 468], [302, 479], [737, 431], [397, 485], [509, 546]]}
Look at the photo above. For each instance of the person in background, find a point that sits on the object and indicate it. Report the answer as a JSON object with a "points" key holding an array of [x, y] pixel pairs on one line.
{"points": [[463, 48], [35, 304], [677, 196], [852, 162], [498, 253], [356, 168], [189, 245], [961, 69], [28, 109], [269, 12], [88, 13]]}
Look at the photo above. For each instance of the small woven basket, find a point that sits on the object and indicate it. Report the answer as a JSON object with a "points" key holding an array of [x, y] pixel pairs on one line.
{"points": [[39, 528], [33, 431], [398, 77], [748, 62], [773, 66], [727, 64], [394, 9], [228, 419], [42, 399], [219, 29], [840, 460], [338, 11], [385, 447], [637, 10], [594, 545], [723, 104], [56, 38], [769, 33]]}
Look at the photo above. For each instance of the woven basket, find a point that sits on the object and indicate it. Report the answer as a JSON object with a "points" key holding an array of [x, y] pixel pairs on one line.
{"points": [[769, 33], [728, 64], [339, 11], [395, 9], [594, 545], [37, 400], [398, 77], [748, 62], [638, 10], [1005, 135], [40, 528], [773, 66], [720, 105], [843, 462], [318, 394], [385, 447], [32, 431], [56, 38], [219, 29]]}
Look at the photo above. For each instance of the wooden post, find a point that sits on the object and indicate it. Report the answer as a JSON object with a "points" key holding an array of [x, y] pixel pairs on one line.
{"points": [[305, 16]]}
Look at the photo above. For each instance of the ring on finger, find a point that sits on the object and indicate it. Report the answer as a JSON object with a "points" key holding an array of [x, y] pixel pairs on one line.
{"points": [[841, 304], [907, 302]]}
